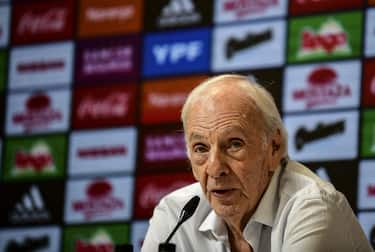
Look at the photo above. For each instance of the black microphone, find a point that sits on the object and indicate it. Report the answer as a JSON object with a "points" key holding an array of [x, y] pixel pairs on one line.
{"points": [[185, 214]]}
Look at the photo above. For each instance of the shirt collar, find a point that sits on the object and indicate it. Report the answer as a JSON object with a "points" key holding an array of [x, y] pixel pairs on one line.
{"points": [[266, 210], [264, 214]]}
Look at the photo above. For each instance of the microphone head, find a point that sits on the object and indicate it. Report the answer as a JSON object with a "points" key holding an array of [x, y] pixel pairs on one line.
{"points": [[189, 208], [185, 214]]}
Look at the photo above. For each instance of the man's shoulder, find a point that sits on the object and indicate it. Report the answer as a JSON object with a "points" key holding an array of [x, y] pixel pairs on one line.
{"points": [[300, 183]]}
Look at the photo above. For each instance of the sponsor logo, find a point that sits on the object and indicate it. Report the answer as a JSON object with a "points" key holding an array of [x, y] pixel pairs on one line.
{"points": [[243, 8], [165, 147], [99, 201], [166, 96], [30, 239], [304, 136], [323, 88], [39, 66], [325, 37], [39, 159], [112, 13], [31, 204], [251, 40], [28, 244], [30, 208], [100, 241], [108, 60], [90, 238], [234, 10], [90, 152], [178, 12], [110, 17], [114, 105], [235, 44], [315, 137], [112, 59], [39, 113], [53, 20], [102, 151], [176, 52], [35, 157], [95, 107], [38, 22], [331, 37]]}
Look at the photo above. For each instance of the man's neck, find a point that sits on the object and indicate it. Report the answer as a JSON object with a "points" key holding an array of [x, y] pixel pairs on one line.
{"points": [[237, 242]]}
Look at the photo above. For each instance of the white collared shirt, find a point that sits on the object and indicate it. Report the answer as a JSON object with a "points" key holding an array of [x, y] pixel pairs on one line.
{"points": [[298, 212]]}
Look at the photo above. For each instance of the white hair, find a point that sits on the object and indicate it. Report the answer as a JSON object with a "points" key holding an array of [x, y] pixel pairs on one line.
{"points": [[256, 93]]}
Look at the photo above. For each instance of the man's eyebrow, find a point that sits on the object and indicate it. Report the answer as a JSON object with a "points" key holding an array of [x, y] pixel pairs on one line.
{"points": [[196, 136], [234, 128]]}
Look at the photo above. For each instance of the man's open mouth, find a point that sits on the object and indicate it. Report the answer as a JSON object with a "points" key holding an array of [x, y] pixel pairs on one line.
{"points": [[221, 192]]}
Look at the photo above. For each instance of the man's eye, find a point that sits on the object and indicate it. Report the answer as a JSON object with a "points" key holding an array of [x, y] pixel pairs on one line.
{"points": [[236, 144], [199, 148]]}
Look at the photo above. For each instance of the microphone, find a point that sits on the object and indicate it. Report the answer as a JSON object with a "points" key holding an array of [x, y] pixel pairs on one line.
{"points": [[187, 211]]}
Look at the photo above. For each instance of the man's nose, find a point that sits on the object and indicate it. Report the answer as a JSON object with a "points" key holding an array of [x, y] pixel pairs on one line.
{"points": [[217, 166]]}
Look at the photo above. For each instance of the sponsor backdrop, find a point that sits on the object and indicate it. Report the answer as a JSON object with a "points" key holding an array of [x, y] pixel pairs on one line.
{"points": [[90, 95]]}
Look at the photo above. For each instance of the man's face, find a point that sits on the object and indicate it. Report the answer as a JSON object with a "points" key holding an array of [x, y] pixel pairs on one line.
{"points": [[229, 153]]}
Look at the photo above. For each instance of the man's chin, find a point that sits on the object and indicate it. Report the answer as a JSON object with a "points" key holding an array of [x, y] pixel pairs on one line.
{"points": [[226, 210]]}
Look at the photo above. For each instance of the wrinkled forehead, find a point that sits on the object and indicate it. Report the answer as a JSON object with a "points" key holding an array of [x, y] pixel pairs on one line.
{"points": [[222, 107]]}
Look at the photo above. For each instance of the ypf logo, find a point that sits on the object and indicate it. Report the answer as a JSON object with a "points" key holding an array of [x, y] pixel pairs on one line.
{"points": [[177, 52]]}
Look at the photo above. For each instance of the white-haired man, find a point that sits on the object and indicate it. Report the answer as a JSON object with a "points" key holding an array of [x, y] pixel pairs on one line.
{"points": [[253, 198]]}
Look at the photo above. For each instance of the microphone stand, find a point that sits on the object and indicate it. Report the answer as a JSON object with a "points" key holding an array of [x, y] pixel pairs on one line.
{"points": [[185, 214], [167, 247]]}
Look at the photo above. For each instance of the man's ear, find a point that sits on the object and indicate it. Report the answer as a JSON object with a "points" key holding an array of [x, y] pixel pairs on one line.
{"points": [[275, 150]]}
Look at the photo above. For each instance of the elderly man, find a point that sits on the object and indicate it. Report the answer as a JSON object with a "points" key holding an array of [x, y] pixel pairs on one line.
{"points": [[253, 198]]}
